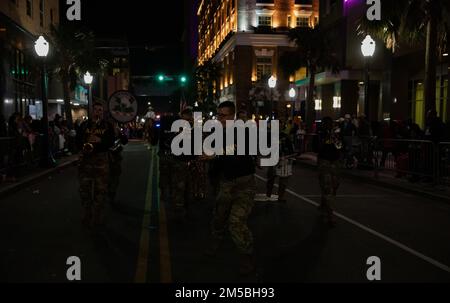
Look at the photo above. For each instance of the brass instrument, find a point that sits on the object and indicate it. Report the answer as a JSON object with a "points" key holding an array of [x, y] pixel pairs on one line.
{"points": [[336, 139], [88, 148]]}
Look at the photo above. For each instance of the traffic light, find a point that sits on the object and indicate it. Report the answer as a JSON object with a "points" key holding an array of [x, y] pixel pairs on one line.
{"points": [[161, 78], [183, 79]]}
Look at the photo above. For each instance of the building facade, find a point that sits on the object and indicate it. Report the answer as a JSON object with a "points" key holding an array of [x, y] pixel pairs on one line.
{"points": [[396, 89], [21, 22], [246, 38]]}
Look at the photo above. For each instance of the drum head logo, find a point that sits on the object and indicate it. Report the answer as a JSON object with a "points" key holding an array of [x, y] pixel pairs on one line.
{"points": [[123, 106]]}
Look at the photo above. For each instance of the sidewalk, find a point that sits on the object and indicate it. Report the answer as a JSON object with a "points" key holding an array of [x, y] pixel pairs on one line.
{"points": [[34, 174], [437, 192]]}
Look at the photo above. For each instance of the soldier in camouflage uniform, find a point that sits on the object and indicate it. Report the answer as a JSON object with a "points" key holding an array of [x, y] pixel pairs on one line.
{"points": [[181, 179], [330, 145], [235, 200], [175, 179], [165, 158], [115, 162], [97, 137]]}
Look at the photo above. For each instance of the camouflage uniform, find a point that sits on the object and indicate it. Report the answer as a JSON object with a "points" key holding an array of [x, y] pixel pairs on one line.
{"points": [[174, 180], [115, 163], [93, 176], [233, 206], [181, 183], [329, 183], [165, 176], [197, 171], [329, 155], [94, 170]]}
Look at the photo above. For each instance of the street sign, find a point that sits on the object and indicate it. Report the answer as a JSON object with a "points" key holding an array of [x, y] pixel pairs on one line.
{"points": [[123, 106]]}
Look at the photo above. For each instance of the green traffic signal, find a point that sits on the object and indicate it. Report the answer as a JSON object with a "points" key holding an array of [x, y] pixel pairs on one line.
{"points": [[183, 79], [161, 77]]}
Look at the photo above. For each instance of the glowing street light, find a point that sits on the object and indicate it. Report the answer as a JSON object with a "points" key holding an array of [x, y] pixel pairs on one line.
{"points": [[88, 79], [292, 93], [272, 84], [41, 47], [368, 46]]}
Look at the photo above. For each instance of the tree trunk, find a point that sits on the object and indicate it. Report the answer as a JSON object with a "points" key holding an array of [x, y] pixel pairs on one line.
{"points": [[430, 65], [67, 105], [310, 106]]}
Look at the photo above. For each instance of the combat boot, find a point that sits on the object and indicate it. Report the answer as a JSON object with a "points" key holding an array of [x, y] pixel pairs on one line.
{"points": [[247, 264]]}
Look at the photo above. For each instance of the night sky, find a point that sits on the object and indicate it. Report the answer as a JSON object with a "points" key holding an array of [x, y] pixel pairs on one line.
{"points": [[159, 24]]}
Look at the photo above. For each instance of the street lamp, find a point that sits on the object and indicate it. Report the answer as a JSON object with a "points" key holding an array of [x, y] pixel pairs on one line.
{"points": [[292, 94], [368, 49], [42, 47], [272, 84], [88, 79]]}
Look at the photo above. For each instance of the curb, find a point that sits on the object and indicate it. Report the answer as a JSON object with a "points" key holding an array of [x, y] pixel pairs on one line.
{"points": [[8, 190], [373, 181]]}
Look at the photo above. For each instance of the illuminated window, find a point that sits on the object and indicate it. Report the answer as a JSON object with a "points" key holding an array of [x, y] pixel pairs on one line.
{"points": [[289, 20], [302, 21], [264, 20], [263, 67]]}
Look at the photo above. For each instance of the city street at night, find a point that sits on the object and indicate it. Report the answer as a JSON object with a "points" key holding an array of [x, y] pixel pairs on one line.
{"points": [[42, 229]]}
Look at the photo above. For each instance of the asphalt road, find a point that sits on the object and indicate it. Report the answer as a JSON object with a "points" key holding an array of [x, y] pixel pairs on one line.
{"points": [[144, 241]]}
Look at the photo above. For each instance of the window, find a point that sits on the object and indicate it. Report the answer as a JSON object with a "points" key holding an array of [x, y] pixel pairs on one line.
{"points": [[265, 20], [289, 20], [41, 13], [302, 21], [263, 67], [23, 86], [30, 8], [418, 103]]}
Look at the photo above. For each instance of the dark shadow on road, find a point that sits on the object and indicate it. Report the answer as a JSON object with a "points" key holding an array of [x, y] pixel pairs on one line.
{"points": [[297, 262]]}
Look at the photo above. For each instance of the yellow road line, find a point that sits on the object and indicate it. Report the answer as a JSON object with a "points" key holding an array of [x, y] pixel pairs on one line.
{"points": [[142, 261], [164, 250]]}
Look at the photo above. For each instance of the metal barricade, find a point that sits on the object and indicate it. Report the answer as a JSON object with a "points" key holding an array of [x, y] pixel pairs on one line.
{"points": [[414, 159], [308, 143], [443, 163], [18, 154], [5, 143]]}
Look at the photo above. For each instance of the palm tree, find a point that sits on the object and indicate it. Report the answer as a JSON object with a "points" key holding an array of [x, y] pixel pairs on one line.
{"points": [[313, 51], [206, 75], [74, 54], [412, 22]]}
